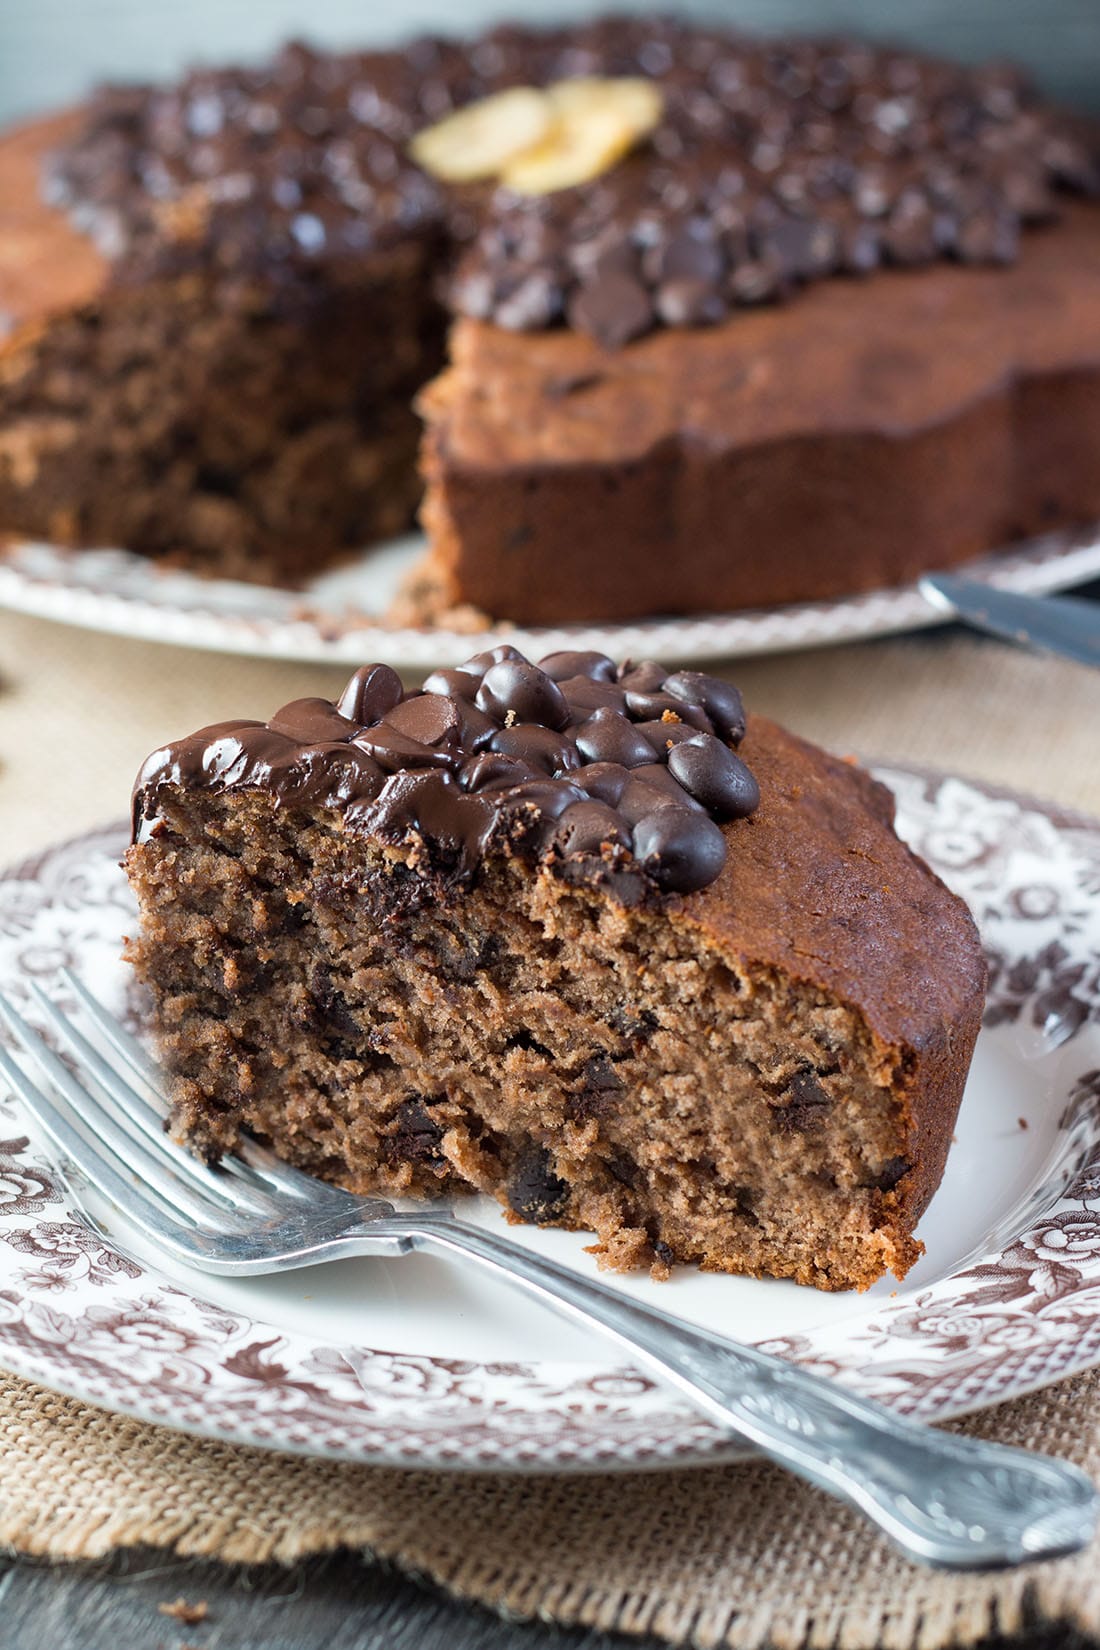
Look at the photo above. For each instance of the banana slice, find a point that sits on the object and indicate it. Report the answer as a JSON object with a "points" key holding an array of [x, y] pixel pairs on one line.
{"points": [[637, 102], [576, 150], [480, 140], [598, 122]]}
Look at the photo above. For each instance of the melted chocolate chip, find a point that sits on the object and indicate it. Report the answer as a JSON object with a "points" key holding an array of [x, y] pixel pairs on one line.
{"points": [[891, 1173], [332, 1008], [496, 757], [585, 696], [718, 698], [590, 828], [711, 773], [528, 1042], [524, 693], [312, 722], [635, 1027], [647, 677], [652, 706], [599, 1075], [479, 663], [803, 1106], [561, 667], [614, 308], [430, 719], [622, 1168], [372, 691], [655, 778], [608, 737], [395, 752], [493, 769], [605, 781], [535, 1192], [540, 748], [663, 735], [688, 848], [417, 1136], [459, 684]]}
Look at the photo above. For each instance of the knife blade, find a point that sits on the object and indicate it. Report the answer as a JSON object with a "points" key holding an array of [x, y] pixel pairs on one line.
{"points": [[1055, 624]]}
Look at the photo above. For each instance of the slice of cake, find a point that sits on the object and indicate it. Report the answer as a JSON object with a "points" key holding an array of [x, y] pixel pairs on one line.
{"points": [[198, 400], [759, 320], [572, 936]]}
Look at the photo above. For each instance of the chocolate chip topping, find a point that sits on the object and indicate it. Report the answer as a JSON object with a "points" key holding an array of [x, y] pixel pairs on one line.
{"points": [[775, 163], [497, 757]]}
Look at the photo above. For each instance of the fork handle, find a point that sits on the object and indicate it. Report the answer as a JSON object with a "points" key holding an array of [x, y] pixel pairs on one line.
{"points": [[942, 1499]]}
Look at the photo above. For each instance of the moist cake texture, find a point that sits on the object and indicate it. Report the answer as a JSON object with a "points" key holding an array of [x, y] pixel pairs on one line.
{"points": [[570, 935], [219, 299]]}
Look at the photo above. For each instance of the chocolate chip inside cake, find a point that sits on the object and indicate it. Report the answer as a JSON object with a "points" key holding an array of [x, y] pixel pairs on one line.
{"points": [[571, 936]]}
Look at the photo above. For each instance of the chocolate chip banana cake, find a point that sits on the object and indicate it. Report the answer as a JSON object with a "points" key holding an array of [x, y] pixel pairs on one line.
{"points": [[698, 321], [581, 937]]}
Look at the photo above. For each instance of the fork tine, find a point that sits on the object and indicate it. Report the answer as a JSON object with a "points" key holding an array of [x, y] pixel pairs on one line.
{"points": [[242, 1193], [254, 1163], [139, 1061], [166, 1226], [156, 1170]]}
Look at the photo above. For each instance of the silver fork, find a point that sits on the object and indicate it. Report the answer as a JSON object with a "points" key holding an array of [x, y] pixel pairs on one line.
{"points": [[942, 1499]]}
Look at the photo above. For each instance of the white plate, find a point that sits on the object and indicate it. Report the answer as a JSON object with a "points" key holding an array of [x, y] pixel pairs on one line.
{"points": [[336, 619], [414, 1361]]}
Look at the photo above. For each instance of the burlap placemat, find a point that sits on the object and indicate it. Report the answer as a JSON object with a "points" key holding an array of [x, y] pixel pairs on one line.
{"points": [[739, 1556], [743, 1556]]}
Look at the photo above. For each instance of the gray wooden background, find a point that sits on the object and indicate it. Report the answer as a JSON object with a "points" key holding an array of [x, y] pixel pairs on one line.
{"points": [[52, 50]]}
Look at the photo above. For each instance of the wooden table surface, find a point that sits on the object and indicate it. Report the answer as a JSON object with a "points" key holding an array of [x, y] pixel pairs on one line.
{"points": [[333, 1603]]}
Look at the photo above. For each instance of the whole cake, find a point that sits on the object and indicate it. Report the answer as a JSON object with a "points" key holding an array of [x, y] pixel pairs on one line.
{"points": [[219, 299], [572, 935]]}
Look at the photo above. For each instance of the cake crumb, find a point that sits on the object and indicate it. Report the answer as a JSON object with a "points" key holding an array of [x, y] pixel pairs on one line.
{"points": [[180, 1610]]}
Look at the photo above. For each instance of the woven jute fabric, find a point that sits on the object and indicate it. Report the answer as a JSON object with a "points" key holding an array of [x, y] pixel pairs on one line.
{"points": [[741, 1556]]}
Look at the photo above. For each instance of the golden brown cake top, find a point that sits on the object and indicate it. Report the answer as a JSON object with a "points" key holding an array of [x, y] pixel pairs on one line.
{"points": [[772, 164]]}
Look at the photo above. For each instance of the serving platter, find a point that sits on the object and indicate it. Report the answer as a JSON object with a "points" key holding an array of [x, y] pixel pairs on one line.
{"points": [[337, 618], [416, 1362]]}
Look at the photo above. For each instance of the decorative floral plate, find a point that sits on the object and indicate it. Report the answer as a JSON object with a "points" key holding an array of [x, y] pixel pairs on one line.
{"points": [[337, 619], [417, 1362]]}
